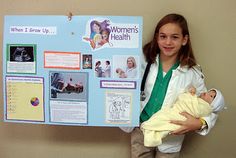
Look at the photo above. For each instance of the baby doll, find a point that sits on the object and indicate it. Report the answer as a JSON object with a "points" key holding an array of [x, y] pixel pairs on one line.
{"points": [[159, 126]]}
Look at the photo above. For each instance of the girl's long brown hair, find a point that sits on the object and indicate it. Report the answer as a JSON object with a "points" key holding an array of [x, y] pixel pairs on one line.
{"points": [[185, 55]]}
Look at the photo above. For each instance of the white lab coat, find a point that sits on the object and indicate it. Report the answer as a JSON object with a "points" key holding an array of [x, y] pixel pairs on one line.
{"points": [[182, 78], [131, 73]]}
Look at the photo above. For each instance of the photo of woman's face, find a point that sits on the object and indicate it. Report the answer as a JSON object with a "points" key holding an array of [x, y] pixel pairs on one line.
{"points": [[130, 63], [96, 28]]}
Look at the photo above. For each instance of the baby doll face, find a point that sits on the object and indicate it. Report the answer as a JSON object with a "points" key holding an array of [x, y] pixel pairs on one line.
{"points": [[208, 96]]}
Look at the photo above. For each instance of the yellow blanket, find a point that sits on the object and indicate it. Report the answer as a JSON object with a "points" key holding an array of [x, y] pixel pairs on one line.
{"points": [[158, 126]]}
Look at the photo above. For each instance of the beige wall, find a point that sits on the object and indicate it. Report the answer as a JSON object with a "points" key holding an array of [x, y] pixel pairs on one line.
{"points": [[213, 31]]}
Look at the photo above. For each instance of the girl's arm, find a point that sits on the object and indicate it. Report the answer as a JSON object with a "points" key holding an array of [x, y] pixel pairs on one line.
{"points": [[191, 123]]}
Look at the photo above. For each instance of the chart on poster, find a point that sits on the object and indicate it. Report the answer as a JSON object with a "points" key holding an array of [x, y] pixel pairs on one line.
{"points": [[82, 71]]}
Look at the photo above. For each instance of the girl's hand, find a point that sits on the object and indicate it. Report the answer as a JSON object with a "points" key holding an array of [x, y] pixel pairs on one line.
{"points": [[190, 124]]}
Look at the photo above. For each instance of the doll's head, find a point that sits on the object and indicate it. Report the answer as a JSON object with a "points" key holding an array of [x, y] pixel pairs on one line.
{"points": [[215, 98]]}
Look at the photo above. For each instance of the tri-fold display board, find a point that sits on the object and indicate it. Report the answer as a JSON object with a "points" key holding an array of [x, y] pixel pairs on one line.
{"points": [[82, 71]]}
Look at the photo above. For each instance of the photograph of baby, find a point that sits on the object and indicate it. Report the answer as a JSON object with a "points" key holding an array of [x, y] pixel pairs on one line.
{"points": [[126, 66], [102, 68], [68, 85], [21, 53]]}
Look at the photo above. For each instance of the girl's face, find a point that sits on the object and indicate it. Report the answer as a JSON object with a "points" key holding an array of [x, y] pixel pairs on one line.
{"points": [[130, 63], [208, 96], [170, 39], [96, 28]]}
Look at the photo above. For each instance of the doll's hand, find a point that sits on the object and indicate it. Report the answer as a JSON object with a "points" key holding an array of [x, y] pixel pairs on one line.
{"points": [[192, 90], [190, 124]]}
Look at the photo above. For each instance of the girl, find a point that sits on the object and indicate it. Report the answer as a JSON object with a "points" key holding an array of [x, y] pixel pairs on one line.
{"points": [[172, 71]]}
